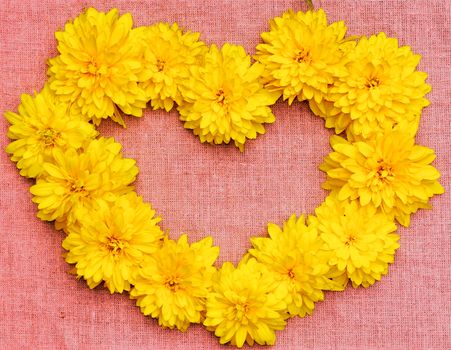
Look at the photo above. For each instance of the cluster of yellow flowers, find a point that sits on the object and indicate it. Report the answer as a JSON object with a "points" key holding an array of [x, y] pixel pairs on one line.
{"points": [[366, 88]]}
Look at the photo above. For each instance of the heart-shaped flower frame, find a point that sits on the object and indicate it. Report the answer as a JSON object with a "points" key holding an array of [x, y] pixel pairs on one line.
{"points": [[367, 88]]}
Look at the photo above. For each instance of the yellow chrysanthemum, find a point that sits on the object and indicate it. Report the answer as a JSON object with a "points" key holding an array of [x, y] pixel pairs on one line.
{"points": [[381, 86], [111, 242], [247, 304], [302, 54], [99, 66], [333, 116], [174, 282], [361, 241], [295, 255], [168, 55], [389, 172], [404, 126], [225, 99], [74, 180], [41, 125]]}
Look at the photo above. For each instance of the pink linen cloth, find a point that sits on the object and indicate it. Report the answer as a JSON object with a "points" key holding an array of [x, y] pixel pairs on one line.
{"points": [[216, 190]]}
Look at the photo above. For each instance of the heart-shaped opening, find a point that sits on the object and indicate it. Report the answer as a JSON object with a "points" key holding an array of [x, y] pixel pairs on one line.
{"points": [[216, 190]]}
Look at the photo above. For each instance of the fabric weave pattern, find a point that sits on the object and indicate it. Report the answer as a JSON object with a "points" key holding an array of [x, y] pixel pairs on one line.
{"points": [[202, 189]]}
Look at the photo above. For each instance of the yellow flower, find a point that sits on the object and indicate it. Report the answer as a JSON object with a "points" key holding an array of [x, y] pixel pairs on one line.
{"points": [[174, 282], [381, 86], [99, 66], [302, 54], [112, 241], [225, 99], [41, 125], [389, 172], [246, 304], [168, 55], [295, 255], [73, 181], [333, 116], [404, 127], [361, 241]]}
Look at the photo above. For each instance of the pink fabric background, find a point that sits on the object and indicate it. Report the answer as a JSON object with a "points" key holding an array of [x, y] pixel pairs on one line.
{"points": [[202, 190]]}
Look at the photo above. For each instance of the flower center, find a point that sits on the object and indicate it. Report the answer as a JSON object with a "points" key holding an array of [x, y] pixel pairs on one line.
{"points": [[220, 97], [48, 136], [77, 186], [160, 65], [351, 238], [97, 69], [303, 56], [384, 171], [291, 274], [173, 283], [115, 245], [372, 83], [242, 309]]}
